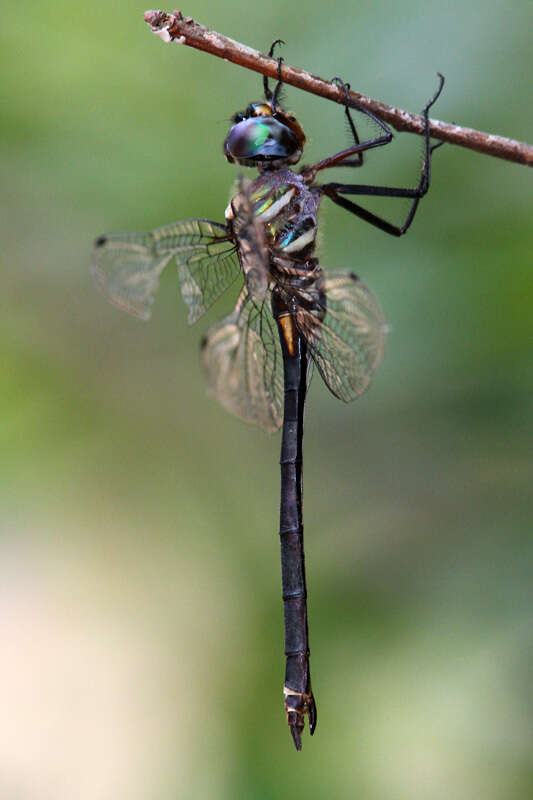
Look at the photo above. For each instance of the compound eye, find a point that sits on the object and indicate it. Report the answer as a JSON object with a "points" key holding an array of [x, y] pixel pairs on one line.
{"points": [[238, 117], [260, 139]]}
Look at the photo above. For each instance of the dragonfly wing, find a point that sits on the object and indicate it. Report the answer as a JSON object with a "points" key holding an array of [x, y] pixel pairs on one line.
{"points": [[207, 262], [346, 339], [127, 266], [244, 365], [253, 249]]}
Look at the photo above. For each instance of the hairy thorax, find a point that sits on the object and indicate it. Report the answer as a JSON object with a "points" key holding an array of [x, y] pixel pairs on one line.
{"points": [[282, 210]]}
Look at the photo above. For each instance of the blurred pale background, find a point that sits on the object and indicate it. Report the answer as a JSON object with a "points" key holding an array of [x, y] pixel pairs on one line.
{"points": [[140, 591]]}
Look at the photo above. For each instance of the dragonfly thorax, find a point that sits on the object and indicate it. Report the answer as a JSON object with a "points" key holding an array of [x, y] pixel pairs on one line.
{"points": [[285, 208]]}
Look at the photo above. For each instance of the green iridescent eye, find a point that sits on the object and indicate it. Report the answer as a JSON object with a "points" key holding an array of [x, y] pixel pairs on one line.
{"points": [[248, 137], [260, 134], [259, 138]]}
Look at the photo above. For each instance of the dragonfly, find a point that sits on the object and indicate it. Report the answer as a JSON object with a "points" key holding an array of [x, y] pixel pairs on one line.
{"points": [[291, 314]]}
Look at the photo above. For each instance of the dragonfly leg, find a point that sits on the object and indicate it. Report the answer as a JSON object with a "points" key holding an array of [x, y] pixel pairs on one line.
{"points": [[342, 158], [269, 94], [358, 160], [279, 85], [335, 190]]}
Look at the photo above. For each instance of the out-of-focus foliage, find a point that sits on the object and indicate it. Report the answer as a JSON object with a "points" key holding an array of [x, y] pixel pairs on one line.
{"points": [[140, 592]]}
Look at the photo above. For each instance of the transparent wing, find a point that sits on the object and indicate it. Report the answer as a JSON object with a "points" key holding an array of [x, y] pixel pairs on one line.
{"points": [[253, 249], [244, 365], [347, 343], [127, 266]]}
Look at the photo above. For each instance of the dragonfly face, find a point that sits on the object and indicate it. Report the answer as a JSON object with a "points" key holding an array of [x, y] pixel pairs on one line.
{"points": [[264, 137], [290, 312]]}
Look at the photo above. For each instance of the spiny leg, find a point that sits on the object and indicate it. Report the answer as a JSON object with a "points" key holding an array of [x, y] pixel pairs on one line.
{"points": [[269, 95], [335, 190], [279, 85], [349, 162], [340, 158]]}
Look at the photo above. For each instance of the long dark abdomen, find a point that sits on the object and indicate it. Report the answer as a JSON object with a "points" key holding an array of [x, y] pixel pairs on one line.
{"points": [[298, 696]]}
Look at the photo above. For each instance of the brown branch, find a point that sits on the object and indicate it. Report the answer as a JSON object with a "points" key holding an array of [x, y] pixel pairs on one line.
{"points": [[175, 27]]}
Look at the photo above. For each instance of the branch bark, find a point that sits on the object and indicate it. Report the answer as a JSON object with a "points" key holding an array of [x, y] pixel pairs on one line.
{"points": [[175, 27]]}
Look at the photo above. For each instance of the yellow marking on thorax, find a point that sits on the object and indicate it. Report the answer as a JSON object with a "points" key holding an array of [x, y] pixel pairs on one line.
{"points": [[287, 326]]}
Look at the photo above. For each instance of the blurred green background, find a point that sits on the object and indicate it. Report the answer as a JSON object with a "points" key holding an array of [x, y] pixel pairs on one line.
{"points": [[140, 590]]}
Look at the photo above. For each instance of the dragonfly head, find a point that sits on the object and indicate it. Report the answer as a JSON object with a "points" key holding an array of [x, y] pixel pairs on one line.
{"points": [[264, 137]]}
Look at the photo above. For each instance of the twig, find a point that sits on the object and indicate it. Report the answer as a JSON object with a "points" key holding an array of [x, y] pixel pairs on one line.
{"points": [[176, 27]]}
